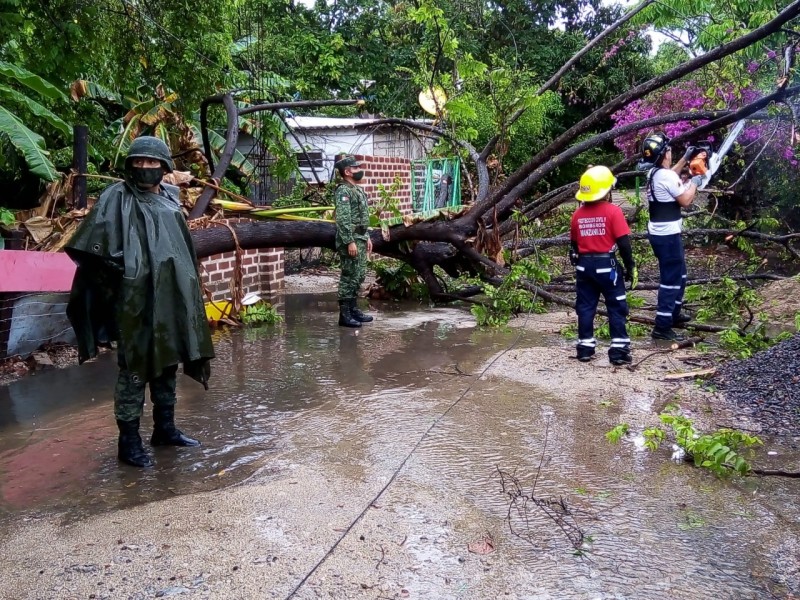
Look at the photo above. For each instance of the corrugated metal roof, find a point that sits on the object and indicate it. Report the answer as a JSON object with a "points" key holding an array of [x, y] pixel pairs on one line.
{"points": [[300, 122]]}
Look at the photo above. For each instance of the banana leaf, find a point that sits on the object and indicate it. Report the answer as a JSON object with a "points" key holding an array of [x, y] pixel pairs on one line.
{"points": [[32, 81], [29, 143], [37, 109], [218, 145]]}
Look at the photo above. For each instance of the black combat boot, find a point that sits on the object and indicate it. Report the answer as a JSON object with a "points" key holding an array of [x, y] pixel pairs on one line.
{"points": [[164, 431], [346, 318], [130, 449], [357, 314]]}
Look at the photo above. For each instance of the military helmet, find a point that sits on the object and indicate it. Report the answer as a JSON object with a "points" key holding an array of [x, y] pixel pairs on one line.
{"points": [[150, 147], [655, 146], [595, 184]]}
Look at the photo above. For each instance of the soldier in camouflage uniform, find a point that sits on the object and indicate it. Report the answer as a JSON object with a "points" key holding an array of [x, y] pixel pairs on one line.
{"points": [[352, 239], [137, 282]]}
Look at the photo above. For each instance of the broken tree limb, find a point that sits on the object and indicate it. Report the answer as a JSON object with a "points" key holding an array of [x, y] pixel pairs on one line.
{"points": [[524, 178], [691, 342], [690, 374]]}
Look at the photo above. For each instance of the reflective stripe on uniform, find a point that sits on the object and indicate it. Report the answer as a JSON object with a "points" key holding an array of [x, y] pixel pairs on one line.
{"points": [[623, 297], [663, 314], [678, 302], [590, 343], [619, 345], [606, 270], [670, 287], [618, 340], [579, 268]]}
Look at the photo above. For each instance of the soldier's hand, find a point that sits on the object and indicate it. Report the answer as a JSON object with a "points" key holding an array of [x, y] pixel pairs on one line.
{"points": [[352, 249], [369, 245]]}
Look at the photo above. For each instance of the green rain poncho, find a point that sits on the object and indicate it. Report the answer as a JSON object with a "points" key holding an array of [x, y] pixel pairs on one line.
{"points": [[137, 282]]}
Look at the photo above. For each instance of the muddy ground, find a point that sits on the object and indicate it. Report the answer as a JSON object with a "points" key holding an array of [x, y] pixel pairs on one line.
{"points": [[338, 465]]}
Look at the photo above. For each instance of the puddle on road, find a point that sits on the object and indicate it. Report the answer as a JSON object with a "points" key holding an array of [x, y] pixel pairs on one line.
{"points": [[58, 437], [313, 392]]}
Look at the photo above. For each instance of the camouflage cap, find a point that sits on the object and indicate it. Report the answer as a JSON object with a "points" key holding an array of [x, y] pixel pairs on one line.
{"points": [[348, 160]]}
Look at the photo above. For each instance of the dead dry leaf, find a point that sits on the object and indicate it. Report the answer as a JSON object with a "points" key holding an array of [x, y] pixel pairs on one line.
{"points": [[483, 546]]}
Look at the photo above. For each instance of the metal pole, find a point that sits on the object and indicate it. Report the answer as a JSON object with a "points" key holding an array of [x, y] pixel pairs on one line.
{"points": [[80, 160]]}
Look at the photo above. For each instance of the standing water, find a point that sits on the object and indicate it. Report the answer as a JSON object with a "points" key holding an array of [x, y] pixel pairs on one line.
{"points": [[304, 425]]}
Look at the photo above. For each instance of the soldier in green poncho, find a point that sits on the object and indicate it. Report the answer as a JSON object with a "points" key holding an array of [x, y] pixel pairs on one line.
{"points": [[352, 239], [137, 283]]}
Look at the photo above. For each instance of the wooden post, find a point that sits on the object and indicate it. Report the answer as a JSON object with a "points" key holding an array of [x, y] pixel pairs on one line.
{"points": [[80, 159]]}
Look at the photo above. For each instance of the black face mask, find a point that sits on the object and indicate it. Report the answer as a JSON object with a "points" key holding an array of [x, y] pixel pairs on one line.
{"points": [[146, 178], [358, 175]]}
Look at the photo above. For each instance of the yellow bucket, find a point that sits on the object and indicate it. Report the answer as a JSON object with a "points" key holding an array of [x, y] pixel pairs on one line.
{"points": [[217, 310]]}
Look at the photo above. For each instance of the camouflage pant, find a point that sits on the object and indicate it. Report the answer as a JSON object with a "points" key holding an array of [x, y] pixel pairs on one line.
{"points": [[129, 391], [354, 270]]}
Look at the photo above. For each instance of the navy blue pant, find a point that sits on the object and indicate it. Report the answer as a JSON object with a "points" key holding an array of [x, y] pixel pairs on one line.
{"points": [[595, 276], [672, 281]]}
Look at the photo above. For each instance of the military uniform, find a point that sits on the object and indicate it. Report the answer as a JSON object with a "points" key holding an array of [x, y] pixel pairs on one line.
{"points": [[137, 283], [352, 222]]}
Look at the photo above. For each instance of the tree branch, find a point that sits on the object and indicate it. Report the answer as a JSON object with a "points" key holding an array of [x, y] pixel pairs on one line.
{"points": [[526, 176]]}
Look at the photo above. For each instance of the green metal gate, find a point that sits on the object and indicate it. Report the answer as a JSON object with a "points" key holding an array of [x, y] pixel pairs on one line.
{"points": [[435, 183]]}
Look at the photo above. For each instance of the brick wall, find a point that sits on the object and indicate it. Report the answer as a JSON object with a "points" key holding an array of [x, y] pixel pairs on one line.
{"points": [[262, 272], [383, 170]]}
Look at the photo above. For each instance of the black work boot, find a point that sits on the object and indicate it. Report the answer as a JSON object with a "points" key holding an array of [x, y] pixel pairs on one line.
{"points": [[666, 334], [620, 358], [357, 314], [681, 319], [164, 431], [346, 318], [130, 449], [585, 354]]}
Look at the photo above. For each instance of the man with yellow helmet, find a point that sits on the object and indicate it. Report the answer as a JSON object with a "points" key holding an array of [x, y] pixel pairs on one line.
{"points": [[598, 228]]}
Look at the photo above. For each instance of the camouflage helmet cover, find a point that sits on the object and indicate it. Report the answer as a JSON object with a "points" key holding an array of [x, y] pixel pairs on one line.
{"points": [[150, 147]]}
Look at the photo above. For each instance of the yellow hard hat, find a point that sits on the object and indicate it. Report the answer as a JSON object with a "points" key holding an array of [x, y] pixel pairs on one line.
{"points": [[596, 182]]}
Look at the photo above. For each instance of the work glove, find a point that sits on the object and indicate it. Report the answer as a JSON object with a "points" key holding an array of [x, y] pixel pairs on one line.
{"points": [[697, 180], [573, 257], [632, 277], [690, 152]]}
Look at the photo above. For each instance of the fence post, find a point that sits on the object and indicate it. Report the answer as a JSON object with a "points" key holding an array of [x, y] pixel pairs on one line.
{"points": [[80, 160]]}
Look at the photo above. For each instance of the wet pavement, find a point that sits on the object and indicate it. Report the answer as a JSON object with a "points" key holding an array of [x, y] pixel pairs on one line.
{"points": [[304, 426]]}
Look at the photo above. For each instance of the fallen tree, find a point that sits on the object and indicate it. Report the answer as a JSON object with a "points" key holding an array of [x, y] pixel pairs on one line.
{"points": [[471, 242]]}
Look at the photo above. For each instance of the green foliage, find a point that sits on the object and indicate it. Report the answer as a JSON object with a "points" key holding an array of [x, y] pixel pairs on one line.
{"points": [[719, 451], [387, 202], [13, 129], [6, 216], [616, 434], [399, 279], [508, 299], [745, 344], [797, 321], [259, 314], [724, 300]]}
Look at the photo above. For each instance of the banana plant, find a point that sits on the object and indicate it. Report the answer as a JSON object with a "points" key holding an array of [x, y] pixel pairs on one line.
{"points": [[26, 141]]}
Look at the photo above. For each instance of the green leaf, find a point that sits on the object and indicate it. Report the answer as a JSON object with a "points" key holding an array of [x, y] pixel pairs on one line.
{"points": [[218, 144], [29, 143], [37, 109], [32, 81]]}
